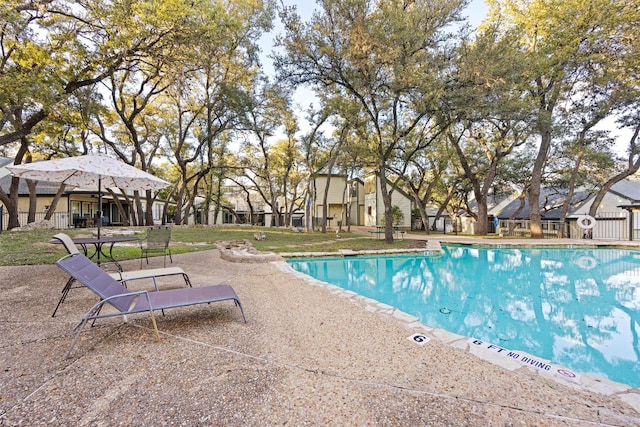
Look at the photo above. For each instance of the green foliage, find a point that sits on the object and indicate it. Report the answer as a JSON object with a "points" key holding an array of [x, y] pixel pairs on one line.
{"points": [[398, 216], [385, 56], [185, 81]]}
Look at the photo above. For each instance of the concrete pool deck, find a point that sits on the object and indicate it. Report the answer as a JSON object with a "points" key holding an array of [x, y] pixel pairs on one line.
{"points": [[310, 354]]}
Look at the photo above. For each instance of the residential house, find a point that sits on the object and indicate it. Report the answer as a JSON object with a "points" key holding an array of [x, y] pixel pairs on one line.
{"points": [[344, 199], [237, 208], [616, 217], [612, 219], [495, 203]]}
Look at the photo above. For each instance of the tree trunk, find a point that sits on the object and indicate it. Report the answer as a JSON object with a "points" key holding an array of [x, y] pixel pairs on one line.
{"points": [[123, 213], [54, 202], [179, 201], [308, 203], [252, 219], [149, 212], [217, 203], [535, 218], [10, 201], [136, 210], [421, 206], [33, 200], [275, 212], [325, 196], [482, 226], [570, 191], [443, 206], [386, 201], [344, 212]]}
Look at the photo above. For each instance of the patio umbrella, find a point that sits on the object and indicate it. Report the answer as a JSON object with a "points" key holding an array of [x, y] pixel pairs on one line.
{"points": [[89, 171]]}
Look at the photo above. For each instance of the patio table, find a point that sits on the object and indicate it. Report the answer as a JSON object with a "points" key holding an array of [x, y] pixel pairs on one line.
{"points": [[102, 247]]}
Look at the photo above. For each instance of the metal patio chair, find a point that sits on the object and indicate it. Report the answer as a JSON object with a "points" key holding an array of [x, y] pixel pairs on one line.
{"points": [[156, 242]]}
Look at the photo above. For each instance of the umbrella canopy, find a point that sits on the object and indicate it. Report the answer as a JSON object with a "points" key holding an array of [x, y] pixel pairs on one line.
{"points": [[89, 171]]}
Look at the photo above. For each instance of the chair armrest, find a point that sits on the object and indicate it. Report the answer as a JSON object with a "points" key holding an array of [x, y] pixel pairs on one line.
{"points": [[128, 294], [98, 306]]}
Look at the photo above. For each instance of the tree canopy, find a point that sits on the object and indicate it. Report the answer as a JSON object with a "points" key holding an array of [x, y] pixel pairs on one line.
{"points": [[404, 90]]}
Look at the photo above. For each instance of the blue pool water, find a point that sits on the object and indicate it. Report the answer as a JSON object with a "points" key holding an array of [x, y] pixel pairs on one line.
{"points": [[578, 308]]}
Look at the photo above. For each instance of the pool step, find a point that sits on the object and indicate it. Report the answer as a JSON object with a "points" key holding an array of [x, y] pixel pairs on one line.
{"points": [[432, 247]]}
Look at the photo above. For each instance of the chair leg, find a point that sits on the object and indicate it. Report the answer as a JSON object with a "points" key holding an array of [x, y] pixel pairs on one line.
{"points": [[187, 280], [144, 255], [95, 316], [239, 304], [75, 339], [155, 326], [65, 291]]}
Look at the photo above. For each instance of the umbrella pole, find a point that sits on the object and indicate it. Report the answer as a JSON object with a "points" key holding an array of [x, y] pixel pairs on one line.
{"points": [[99, 210]]}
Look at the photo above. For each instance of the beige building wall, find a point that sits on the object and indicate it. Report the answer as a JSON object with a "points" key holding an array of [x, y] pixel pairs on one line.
{"points": [[336, 189], [334, 198], [374, 205], [43, 202], [351, 194]]}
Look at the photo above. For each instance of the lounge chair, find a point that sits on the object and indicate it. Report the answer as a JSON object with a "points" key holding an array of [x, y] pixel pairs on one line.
{"points": [[121, 276], [71, 249], [125, 302]]}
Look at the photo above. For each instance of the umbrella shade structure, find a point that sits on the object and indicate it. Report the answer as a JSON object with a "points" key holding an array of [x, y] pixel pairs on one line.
{"points": [[90, 171]]}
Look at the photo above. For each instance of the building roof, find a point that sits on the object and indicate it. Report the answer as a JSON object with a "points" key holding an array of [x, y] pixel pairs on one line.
{"points": [[4, 161], [42, 188], [550, 205], [628, 189], [551, 200]]}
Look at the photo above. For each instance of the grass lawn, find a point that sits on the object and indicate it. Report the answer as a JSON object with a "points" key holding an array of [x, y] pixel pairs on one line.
{"points": [[33, 247]]}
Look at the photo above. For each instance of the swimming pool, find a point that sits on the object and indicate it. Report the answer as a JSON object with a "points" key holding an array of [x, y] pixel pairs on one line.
{"points": [[579, 308]]}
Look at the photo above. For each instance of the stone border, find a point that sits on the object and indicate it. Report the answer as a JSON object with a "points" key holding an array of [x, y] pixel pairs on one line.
{"points": [[243, 251]]}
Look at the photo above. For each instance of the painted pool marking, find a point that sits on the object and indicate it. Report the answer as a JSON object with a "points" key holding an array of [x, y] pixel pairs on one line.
{"points": [[528, 360], [566, 373], [419, 339]]}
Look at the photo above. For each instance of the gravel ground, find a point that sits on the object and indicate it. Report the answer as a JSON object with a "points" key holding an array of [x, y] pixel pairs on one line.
{"points": [[307, 355]]}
